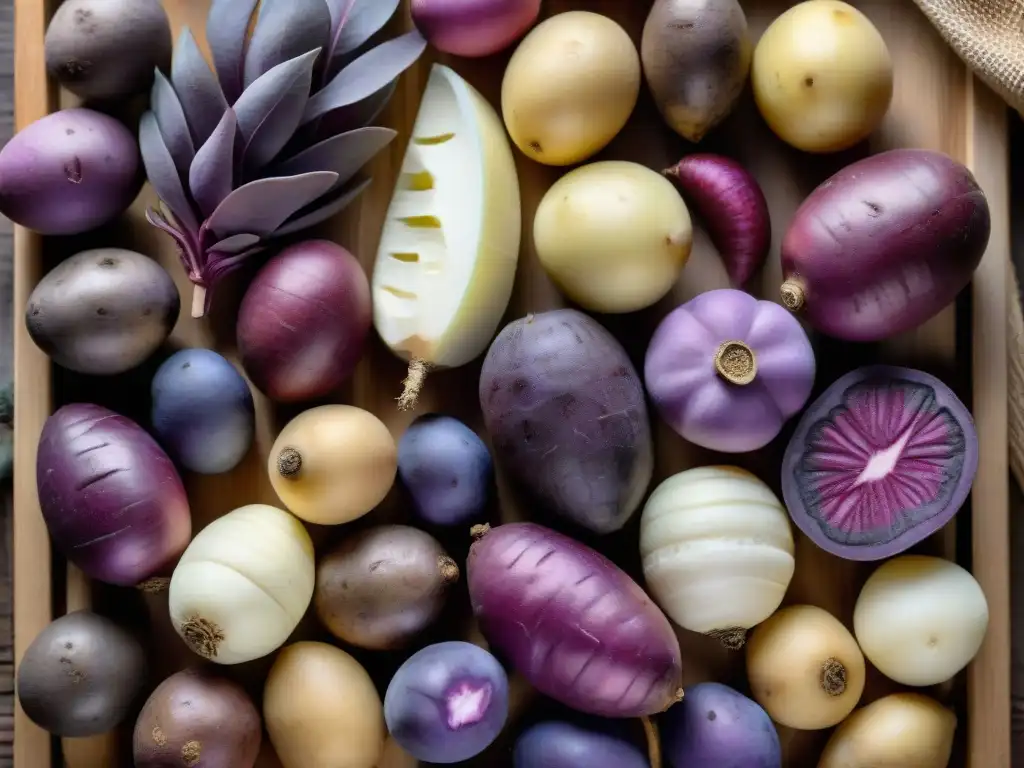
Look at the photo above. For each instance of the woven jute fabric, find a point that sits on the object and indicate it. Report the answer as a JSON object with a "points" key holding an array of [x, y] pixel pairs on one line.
{"points": [[989, 36]]}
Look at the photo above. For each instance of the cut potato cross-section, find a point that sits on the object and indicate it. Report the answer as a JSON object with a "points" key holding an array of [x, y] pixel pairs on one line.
{"points": [[450, 243]]}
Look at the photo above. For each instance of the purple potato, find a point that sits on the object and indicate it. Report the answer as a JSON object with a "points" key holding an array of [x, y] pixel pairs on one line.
{"points": [[81, 675], [447, 702], [566, 413], [203, 411], [884, 458], [563, 745], [447, 469], [103, 311], [726, 371], [69, 172], [111, 498], [303, 322], [195, 718], [884, 244], [717, 727], [576, 627]]}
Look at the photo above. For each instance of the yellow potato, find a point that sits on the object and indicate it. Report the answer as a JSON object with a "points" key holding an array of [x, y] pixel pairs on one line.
{"points": [[613, 236], [322, 710], [570, 87], [333, 464], [822, 76]]}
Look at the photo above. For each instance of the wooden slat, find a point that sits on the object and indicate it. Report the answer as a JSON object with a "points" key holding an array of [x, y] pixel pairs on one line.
{"points": [[988, 679], [32, 611]]}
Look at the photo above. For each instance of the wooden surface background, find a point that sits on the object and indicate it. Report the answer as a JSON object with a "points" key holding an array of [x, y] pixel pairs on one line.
{"points": [[9, 314]]}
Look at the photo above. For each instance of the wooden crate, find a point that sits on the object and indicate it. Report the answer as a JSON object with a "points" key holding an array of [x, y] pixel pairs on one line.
{"points": [[937, 105]]}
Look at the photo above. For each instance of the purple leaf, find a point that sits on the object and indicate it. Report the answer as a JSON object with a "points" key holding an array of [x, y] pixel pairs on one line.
{"points": [[221, 265], [186, 251], [270, 110], [235, 243], [344, 154], [227, 26], [261, 206], [356, 115], [284, 30], [366, 75], [161, 172], [324, 209], [197, 88], [211, 176], [173, 126], [339, 10], [365, 18]]}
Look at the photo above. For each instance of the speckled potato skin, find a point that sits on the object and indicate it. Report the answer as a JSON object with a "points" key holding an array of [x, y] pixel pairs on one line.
{"points": [[107, 49], [381, 586], [696, 56], [566, 413], [103, 311], [81, 675], [195, 718]]}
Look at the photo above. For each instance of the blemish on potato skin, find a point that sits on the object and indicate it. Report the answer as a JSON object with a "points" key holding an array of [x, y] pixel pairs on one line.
{"points": [[536, 147], [73, 171], [191, 752], [158, 736]]}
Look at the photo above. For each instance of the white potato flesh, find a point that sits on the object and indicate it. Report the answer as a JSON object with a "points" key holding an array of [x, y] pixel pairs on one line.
{"points": [[450, 243]]}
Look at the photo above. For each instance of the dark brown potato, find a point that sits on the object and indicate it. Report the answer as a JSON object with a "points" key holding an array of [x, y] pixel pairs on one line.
{"points": [[195, 718], [81, 675], [107, 49], [696, 56], [103, 311], [382, 586]]}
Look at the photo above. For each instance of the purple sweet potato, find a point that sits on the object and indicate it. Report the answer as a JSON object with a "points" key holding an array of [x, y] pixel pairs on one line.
{"points": [[578, 628]]}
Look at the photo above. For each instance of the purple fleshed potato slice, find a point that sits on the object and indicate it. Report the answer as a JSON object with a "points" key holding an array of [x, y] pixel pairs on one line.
{"points": [[880, 461]]}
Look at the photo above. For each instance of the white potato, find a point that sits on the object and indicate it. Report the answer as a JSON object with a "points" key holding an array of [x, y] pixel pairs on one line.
{"points": [[613, 236], [570, 87], [822, 76]]}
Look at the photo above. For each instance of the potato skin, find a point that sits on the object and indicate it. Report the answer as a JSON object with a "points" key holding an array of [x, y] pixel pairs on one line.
{"points": [[322, 709], [696, 56], [107, 49], [885, 244], [382, 586], [822, 76], [103, 311], [570, 87], [567, 417], [69, 172], [196, 716], [80, 676]]}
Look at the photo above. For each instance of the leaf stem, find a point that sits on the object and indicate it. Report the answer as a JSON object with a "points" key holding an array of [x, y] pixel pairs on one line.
{"points": [[199, 301]]}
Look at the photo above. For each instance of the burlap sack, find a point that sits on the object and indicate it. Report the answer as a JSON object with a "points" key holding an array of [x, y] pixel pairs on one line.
{"points": [[989, 36]]}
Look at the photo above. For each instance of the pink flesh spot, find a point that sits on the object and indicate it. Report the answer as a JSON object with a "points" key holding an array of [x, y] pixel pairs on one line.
{"points": [[887, 452], [466, 704]]}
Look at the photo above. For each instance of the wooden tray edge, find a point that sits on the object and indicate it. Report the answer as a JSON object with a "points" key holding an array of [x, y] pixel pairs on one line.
{"points": [[34, 97], [987, 154], [988, 678]]}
